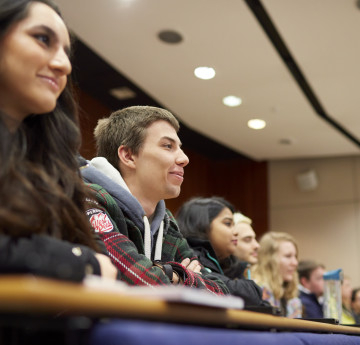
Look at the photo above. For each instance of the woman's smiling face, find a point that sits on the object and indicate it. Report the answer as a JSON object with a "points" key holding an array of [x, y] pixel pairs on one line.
{"points": [[222, 236], [34, 63], [287, 259]]}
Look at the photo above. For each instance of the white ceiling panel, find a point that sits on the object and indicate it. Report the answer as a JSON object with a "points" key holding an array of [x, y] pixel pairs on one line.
{"points": [[225, 35]]}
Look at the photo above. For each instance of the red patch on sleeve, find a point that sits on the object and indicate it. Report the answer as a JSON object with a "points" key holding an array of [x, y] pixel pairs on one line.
{"points": [[99, 220]]}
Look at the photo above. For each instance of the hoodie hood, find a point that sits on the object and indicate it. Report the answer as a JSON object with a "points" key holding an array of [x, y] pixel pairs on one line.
{"points": [[99, 171]]}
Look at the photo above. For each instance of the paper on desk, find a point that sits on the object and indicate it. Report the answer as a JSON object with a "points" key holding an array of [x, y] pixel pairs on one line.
{"points": [[170, 293]]}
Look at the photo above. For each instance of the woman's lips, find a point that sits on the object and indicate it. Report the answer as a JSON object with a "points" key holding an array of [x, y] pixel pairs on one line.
{"points": [[52, 82]]}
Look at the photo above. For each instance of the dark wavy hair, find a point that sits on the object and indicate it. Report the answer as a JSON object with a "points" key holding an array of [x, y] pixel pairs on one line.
{"points": [[195, 216], [40, 185]]}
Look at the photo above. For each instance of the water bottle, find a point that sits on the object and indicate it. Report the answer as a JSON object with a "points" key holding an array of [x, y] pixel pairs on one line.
{"points": [[332, 294]]}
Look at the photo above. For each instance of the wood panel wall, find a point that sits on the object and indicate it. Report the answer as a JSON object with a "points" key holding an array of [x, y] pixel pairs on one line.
{"points": [[241, 181]]}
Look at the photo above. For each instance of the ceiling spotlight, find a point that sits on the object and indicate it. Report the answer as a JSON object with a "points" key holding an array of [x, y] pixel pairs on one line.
{"points": [[122, 93], [205, 73], [232, 101], [256, 124]]}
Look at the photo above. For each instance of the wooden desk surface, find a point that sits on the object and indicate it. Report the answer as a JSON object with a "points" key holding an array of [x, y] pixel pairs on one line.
{"points": [[40, 296]]}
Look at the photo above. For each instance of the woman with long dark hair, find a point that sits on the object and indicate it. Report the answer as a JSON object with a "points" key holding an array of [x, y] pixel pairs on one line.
{"points": [[207, 224], [42, 195]]}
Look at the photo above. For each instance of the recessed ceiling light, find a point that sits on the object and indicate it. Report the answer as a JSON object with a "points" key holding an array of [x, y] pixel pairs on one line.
{"points": [[122, 93], [232, 101], [204, 72], [256, 124], [170, 36], [286, 141]]}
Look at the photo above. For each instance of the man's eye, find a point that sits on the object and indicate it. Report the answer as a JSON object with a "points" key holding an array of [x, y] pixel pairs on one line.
{"points": [[169, 146]]}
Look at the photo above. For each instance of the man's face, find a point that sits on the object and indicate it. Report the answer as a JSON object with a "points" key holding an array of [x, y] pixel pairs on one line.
{"points": [[247, 246], [356, 304], [316, 282], [159, 165]]}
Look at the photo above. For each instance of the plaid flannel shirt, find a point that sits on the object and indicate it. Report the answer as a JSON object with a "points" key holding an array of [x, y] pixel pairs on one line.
{"points": [[125, 246]]}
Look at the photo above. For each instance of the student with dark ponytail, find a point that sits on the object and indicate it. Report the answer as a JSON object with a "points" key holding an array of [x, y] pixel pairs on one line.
{"points": [[208, 226]]}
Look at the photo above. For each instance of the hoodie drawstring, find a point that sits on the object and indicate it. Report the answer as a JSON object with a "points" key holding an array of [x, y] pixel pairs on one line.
{"points": [[147, 240], [159, 242]]}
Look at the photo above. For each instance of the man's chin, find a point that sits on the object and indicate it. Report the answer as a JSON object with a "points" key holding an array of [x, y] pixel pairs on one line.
{"points": [[173, 194]]}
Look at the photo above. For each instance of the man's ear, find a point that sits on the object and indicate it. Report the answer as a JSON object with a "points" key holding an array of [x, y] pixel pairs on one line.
{"points": [[126, 156], [303, 281]]}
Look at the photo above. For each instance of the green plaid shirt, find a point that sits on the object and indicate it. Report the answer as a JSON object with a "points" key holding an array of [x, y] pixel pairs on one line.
{"points": [[125, 245]]}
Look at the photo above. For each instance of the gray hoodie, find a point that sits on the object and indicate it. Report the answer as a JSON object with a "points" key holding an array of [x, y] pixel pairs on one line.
{"points": [[99, 171]]}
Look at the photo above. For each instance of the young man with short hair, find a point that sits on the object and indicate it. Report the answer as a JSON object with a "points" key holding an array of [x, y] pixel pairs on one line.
{"points": [[141, 164], [247, 245], [355, 304], [311, 288]]}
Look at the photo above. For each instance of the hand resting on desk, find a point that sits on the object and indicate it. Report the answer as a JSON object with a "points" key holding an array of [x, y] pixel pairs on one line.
{"points": [[108, 270]]}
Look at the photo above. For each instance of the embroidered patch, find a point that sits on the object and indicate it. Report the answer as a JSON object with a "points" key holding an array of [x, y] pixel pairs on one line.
{"points": [[92, 201], [99, 220]]}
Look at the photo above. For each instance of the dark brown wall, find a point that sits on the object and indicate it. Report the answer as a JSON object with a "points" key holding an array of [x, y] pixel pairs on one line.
{"points": [[241, 181], [90, 111]]}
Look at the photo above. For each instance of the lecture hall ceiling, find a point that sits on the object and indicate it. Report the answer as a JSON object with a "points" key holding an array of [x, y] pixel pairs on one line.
{"points": [[294, 63]]}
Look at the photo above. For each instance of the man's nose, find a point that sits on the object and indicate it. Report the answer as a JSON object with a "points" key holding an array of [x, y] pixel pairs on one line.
{"points": [[182, 159]]}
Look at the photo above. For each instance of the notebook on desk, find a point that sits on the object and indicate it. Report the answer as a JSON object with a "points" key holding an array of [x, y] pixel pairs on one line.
{"points": [[170, 293]]}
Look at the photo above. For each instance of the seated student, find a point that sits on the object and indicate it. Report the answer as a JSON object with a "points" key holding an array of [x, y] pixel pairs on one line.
{"points": [[311, 288], [347, 317], [247, 246], [207, 224], [276, 272], [142, 164], [355, 304], [43, 229]]}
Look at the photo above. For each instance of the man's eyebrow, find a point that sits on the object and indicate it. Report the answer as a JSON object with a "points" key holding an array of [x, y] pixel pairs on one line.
{"points": [[172, 140], [53, 35]]}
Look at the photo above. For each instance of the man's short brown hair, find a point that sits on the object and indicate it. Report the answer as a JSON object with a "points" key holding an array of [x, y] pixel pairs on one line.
{"points": [[306, 267], [128, 127]]}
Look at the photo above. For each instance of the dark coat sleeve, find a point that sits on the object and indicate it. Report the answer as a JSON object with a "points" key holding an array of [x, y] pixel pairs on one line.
{"points": [[46, 256], [233, 278], [248, 290]]}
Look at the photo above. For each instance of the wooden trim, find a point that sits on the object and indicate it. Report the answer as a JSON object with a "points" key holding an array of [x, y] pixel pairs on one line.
{"points": [[40, 296]]}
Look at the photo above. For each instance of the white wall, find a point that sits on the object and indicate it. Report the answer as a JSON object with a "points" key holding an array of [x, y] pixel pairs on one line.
{"points": [[325, 221]]}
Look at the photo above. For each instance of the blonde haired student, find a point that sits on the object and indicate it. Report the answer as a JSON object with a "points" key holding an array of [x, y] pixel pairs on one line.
{"points": [[276, 272]]}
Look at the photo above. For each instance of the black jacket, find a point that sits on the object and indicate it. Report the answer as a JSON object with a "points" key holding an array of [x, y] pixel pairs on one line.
{"points": [[234, 279], [46, 256]]}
